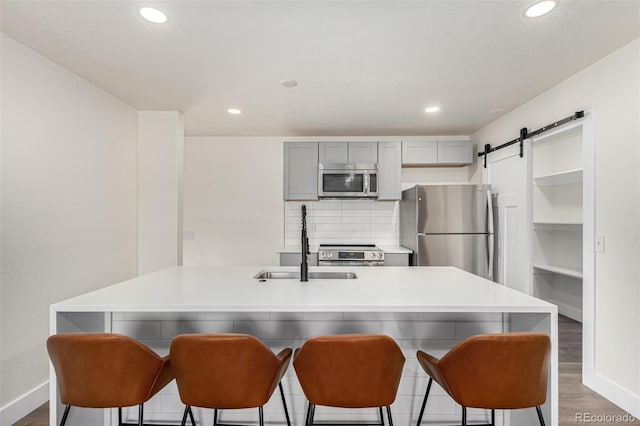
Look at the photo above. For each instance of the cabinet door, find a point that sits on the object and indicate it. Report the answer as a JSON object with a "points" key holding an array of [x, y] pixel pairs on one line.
{"points": [[363, 152], [301, 170], [455, 152], [419, 152], [333, 152], [389, 170]]}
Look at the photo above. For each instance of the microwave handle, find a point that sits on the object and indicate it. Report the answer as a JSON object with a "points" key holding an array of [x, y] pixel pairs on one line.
{"points": [[366, 183]]}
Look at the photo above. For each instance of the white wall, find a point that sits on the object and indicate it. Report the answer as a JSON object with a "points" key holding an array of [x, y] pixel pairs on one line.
{"points": [[69, 220], [233, 207], [232, 200], [611, 87], [160, 163]]}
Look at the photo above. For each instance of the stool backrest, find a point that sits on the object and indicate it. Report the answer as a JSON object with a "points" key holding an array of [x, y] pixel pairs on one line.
{"points": [[223, 370], [351, 371], [103, 370], [501, 371]]}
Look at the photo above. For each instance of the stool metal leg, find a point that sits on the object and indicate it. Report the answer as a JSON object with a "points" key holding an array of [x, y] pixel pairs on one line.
{"points": [[539, 411], [65, 415], [464, 416], [193, 421], [424, 401], [312, 413], [381, 416], [389, 416], [261, 415], [215, 417], [493, 417], [284, 404], [119, 416], [140, 415], [184, 416]]}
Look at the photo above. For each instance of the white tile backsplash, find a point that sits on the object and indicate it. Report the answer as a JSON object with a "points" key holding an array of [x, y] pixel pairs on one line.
{"points": [[343, 221]]}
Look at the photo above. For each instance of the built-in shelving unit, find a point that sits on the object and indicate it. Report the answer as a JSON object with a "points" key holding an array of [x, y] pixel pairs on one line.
{"points": [[557, 220], [574, 273], [559, 178]]}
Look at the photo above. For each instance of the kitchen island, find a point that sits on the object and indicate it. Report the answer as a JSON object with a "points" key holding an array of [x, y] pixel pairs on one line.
{"points": [[429, 308]]}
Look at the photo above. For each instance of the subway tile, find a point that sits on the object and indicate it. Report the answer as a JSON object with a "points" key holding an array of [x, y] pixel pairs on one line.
{"points": [[170, 329], [271, 329], [379, 316], [325, 328], [233, 316], [468, 329], [138, 329], [363, 213], [419, 330], [159, 316], [356, 205], [356, 219]]}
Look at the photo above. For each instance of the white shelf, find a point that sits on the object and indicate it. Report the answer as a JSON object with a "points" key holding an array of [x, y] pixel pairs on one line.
{"points": [[559, 178], [560, 270], [557, 226]]}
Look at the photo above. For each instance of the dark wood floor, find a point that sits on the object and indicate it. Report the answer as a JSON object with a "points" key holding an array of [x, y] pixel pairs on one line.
{"points": [[574, 397]]}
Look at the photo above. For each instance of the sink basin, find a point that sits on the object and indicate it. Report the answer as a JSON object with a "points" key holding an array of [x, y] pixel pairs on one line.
{"points": [[315, 275]]}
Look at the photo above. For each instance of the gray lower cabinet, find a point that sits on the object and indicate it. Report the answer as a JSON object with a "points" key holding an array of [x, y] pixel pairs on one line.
{"points": [[389, 170], [300, 171], [293, 259], [396, 259], [390, 259]]}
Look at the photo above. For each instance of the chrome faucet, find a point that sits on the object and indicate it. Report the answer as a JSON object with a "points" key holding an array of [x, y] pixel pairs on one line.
{"points": [[304, 266]]}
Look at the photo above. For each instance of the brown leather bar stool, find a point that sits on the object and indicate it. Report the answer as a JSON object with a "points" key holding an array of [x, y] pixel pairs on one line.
{"points": [[106, 371], [227, 371], [493, 371], [349, 371]]}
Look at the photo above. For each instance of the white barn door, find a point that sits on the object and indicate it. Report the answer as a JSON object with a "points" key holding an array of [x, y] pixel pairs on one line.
{"points": [[507, 174]]}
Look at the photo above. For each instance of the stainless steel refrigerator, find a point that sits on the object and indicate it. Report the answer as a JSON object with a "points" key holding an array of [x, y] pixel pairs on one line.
{"points": [[449, 225]]}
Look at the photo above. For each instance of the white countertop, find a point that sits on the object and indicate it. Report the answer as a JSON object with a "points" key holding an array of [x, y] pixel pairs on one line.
{"points": [[384, 247], [233, 289]]}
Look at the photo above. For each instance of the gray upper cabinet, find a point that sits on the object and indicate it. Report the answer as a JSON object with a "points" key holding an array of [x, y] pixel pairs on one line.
{"points": [[301, 170], [455, 152], [333, 152], [442, 152], [389, 170], [419, 152], [363, 152], [348, 152]]}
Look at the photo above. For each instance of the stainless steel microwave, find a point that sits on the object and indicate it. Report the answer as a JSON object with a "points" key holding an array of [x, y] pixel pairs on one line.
{"points": [[347, 180]]}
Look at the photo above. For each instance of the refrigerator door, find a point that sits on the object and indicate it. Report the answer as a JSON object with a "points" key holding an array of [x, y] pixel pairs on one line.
{"points": [[470, 252], [454, 209]]}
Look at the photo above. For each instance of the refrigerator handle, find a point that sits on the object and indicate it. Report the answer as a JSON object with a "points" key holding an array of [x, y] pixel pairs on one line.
{"points": [[489, 212], [490, 236]]}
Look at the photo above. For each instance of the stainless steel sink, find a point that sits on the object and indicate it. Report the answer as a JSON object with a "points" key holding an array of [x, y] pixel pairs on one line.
{"points": [[314, 275]]}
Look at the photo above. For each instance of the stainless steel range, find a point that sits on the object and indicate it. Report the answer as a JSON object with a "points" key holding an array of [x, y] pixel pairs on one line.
{"points": [[350, 255]]}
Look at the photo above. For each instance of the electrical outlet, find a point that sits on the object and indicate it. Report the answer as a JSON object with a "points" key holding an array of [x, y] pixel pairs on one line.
{"points": [[599, 243]]}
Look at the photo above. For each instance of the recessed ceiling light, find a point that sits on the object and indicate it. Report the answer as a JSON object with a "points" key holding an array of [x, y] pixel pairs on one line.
{"points": [[288, 83], [153, 15], [235, 111], [540, 8], [432, 109]]}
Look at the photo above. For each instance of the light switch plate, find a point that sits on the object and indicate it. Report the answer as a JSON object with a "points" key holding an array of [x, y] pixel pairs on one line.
{"points": [[599, 243]]}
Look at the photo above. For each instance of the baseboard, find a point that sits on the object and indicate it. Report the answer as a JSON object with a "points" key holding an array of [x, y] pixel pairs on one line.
{"points": [[20, 407], [623, 398], [569, 311]]}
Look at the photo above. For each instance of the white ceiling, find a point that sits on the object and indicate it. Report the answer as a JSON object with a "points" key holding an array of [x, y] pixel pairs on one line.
{"points": [[364, 68]]}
